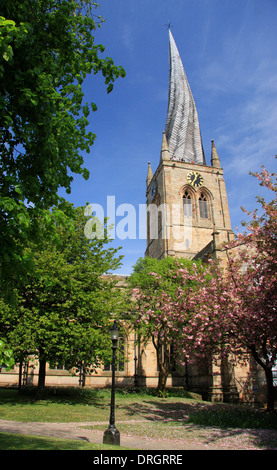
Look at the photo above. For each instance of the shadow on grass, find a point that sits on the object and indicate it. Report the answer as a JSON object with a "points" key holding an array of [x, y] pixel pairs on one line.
{"points": [[10, 441], [66, 396], [212, 424], [161, 411], [229, 437]]}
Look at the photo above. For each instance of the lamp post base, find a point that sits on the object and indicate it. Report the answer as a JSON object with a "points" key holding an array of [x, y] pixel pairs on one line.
{"points": [[111, 436]]}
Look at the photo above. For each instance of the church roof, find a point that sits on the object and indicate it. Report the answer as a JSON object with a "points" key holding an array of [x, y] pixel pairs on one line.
{"points": [[182, 125]]}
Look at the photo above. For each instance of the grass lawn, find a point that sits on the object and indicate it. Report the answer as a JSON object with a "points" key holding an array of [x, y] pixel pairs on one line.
{"points": [[179, 416], [81, 405]]}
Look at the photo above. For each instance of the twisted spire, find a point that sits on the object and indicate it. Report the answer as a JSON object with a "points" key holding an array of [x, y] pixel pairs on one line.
{"points": [[182, 125]]}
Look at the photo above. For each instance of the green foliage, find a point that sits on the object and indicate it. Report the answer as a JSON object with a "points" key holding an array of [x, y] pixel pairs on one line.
{"points": [[63, 310], [152, 278], [6, 356], [141, 276], [166, 269], [46, 50]]}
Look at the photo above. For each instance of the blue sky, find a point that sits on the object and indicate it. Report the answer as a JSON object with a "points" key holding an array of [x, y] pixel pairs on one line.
{"points": [[228, 49]]}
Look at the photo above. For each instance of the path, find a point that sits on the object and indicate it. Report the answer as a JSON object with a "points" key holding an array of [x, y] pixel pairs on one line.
{"points": [[79, 431]]}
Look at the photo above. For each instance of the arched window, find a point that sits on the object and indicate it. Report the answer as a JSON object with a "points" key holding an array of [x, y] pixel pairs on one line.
{"points": [[187, 205], [203, 207]]}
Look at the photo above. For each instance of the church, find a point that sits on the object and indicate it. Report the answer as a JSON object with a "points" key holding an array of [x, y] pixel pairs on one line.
{"points": [[190, 194], [187, 217]]}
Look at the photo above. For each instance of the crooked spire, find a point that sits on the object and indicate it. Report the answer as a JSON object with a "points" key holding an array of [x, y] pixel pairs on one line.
{"points": [[182, 125]]}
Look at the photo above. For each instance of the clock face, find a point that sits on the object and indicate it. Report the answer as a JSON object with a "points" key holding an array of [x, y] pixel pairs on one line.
{"points": [[195, 179]]}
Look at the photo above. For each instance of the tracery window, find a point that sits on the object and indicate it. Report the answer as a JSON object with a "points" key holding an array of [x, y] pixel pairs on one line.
{"points": [[170, 357], [203, 207], [187, 203]]}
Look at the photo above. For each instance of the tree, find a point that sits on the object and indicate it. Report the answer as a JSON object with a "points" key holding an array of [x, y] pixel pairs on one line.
{"points": [[47, 49], [235, 312], [251, 319], [64, 311], [201, 302], [237, 308], [159, 286]]}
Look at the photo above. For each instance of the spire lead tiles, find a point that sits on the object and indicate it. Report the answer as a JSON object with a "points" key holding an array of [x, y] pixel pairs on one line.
{"points": [[182, 125]]}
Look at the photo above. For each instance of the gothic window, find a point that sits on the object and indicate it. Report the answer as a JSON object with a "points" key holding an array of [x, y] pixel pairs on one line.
{"points": [[203, 207], [170, 357], [187, 205]]}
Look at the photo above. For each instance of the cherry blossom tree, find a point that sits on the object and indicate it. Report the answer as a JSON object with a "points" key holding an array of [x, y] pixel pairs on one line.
{"points": [[168, 309], [252, 279], [205, 302], [192, 312], [235, 312]]}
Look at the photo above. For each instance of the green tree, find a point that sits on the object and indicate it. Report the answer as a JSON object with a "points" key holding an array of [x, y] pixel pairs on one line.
{"points": [[63, 312], [46, 50]]}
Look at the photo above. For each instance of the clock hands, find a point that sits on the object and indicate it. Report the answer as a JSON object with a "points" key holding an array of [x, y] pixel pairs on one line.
{"points": [[195, 179]]}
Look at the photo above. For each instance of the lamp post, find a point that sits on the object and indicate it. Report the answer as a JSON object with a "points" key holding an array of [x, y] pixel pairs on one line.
{"points": [[112, 435], [136, 365]]}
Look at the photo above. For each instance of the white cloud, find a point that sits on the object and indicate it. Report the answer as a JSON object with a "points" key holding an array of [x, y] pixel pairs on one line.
{"points": [[127, 37]]}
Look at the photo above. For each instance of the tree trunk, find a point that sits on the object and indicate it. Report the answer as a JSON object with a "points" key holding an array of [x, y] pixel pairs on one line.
{"points": [[163, 374], [269, 389], [269, 380], [41, 378], [165, 361], [20, 376]]}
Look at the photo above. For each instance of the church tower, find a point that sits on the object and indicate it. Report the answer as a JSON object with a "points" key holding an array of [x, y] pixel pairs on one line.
{"points": [[187, 207]]}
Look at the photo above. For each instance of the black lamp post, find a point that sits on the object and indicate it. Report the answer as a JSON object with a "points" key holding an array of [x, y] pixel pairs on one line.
{"points": [[136, 365], [112, 435]]}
